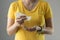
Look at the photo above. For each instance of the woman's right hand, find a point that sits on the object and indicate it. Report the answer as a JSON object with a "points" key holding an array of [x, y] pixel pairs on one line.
{"points": [[20, 20]]}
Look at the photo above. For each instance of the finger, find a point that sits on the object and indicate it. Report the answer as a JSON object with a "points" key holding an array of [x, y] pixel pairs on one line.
{"points": [[20, 17], [23, 18], [31, 29], [20, 22]]}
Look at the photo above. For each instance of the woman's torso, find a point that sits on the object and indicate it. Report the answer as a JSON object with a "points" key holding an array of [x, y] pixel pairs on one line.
{"points": [[37, 18]]}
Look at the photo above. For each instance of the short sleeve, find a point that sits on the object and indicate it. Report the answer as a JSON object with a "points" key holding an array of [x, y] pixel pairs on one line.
{"points": [[48, 11], [11, 11]]}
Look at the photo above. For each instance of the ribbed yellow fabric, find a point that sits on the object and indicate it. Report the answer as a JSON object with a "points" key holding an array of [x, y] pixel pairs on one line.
{"points": [[38, 15]]}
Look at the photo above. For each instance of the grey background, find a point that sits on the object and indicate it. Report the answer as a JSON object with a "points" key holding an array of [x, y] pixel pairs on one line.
{"points": [[4, 5]]}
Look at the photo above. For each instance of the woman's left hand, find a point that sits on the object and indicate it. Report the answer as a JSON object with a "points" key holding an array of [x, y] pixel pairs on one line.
{"points": [[33, 28]]}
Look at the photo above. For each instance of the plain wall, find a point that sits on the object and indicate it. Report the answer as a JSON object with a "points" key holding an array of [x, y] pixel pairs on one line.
{"points": [[4, 5]]}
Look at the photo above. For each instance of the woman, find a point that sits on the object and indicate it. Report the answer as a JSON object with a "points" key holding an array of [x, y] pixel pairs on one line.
{"points": [[34, 29]]}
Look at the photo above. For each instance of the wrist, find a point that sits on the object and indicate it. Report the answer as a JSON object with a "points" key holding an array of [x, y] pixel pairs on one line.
{"points": [[17, 24]]}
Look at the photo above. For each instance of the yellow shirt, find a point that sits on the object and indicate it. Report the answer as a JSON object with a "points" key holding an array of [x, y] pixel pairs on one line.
{"points": [[38, 15]]}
